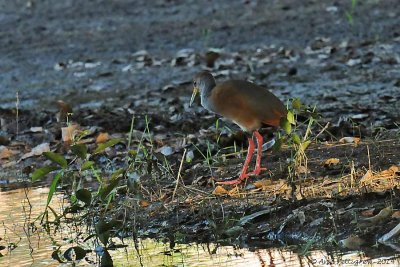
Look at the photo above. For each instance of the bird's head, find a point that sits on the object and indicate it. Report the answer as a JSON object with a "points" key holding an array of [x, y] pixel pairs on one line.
{"points": [[203, 83]]}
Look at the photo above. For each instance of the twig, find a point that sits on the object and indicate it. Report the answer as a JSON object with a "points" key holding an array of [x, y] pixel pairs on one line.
{"points": [[369, 159], [17, 112], [323, 130], [395, 231], [179, 174]]}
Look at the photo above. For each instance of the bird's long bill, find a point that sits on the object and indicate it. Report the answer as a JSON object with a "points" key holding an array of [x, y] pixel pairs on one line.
{"points": [[195, 91]]}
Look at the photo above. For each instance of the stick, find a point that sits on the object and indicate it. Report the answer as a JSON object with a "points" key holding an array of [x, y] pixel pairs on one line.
{"points": [[179, 174]]}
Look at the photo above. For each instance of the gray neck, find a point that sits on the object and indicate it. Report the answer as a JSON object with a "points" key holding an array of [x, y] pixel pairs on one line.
{"points": [[206, 87]]}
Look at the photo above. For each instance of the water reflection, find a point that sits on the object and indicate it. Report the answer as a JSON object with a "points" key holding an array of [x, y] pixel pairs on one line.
{"points": [[19, 208], [156, 254]]}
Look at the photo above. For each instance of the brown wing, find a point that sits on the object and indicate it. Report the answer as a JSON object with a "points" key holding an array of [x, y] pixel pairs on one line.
{"points": [[265, 106], [231, 103]]}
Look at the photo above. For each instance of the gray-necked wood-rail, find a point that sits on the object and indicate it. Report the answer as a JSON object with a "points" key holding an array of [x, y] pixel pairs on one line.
{"points": [[248, 105]]}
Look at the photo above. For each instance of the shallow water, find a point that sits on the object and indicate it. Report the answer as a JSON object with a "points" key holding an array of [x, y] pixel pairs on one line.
{"points": [[19, 208]]}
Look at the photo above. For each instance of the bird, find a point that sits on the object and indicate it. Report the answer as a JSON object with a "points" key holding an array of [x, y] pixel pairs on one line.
{"points": [[248, 105]]}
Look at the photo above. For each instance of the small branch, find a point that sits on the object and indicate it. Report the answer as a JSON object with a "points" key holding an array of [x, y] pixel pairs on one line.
{"points": [[395, 231], [179, 174], [323, 130]]}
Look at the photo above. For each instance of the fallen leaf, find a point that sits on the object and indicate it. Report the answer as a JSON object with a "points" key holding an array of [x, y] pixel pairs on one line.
{"points": [[350, 140], [36, 129], [302, 169], [234, 192], [219, 190], [395, 169], [396, 214], [37, 151], [165, 150], [68, 133], [143, 203], [359, 116], [262, 183], [367, 177], [389, 172], [353, 62], [331, 161], [5, 153], [102, 138]]}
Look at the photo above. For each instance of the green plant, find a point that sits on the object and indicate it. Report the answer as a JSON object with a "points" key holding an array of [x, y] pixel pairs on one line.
{"points": [[350, 13], [207, 33], [91, 207], [297, 136]]}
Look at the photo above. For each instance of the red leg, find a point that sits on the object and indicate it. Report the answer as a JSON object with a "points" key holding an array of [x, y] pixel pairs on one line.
{"points": [[243, 175], [258, 168]]}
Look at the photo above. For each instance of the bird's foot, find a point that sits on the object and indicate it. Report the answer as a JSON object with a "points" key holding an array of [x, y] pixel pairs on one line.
{"points": [[238, 180], [257, 171]]}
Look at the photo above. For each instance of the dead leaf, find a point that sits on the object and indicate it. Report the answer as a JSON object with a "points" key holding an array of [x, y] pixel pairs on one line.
{"points": [[389, 172], [36, 129], [368, 176], [396, 214], [68, 133], [263, 183], [102, 138], [359, 116], [302, 169], [395, 169], [37, 151], [350, 140], [219, 191], [234, 192], [165, 150], [189, 201], [352, 62], [5, 153], [143, 203], [352, 242], [331, 161]]}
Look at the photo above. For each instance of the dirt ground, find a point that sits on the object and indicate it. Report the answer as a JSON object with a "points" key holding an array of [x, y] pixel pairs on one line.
{"points": [[114, 60]]}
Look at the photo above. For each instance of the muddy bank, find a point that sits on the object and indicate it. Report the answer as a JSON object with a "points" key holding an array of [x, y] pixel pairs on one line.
{"points": [[40, 38], [114, 62]]}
